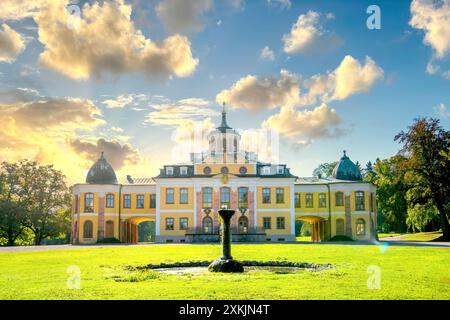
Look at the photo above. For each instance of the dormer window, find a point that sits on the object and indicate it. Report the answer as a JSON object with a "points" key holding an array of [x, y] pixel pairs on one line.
{"points": [[183, 171], [169, 171], [280, 170], [266, 170]]}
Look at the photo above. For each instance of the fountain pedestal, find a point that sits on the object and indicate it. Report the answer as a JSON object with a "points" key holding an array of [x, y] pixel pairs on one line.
{"points": [[226, 263]]}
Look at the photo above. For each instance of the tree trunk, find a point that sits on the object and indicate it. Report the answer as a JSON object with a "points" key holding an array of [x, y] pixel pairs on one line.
{"points": [[445, 226], [37, 238]]}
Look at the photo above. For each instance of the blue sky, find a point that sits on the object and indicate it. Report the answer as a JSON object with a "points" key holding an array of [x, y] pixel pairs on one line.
{"points": [[227, 41]]}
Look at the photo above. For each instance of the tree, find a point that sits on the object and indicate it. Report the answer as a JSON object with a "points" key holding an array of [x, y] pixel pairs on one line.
{"points": [[324, 169], [12, 213], [46, 195], [425, 144], [389, 179]]}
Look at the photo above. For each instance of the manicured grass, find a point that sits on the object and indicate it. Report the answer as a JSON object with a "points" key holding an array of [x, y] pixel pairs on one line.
{"points": [[406, 273], [388, 235], [422, 236], [303, 239]]}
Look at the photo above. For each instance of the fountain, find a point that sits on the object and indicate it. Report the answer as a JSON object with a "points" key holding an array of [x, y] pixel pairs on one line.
{"points": [[226, 263]]}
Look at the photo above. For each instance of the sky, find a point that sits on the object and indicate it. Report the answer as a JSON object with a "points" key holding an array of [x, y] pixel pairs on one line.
{"points": [[136, 79]]}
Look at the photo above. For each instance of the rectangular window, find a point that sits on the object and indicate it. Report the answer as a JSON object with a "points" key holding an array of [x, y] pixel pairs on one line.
{"points": [[183, 223], [339, 199], [280, 195], [266, 170], [266, 195], [110, 200], [183, 195], [207, 197], [280, 223], [280, 170], [183, 171], [89, 202], [297, 200], [322, 200], [359, 201], [140, 201], [169, 224], [127, 201], [169, 171], [152, 201], [170, 196], [371, 202], [267, 223], [225, 197], [243, 197], [309, 200]]}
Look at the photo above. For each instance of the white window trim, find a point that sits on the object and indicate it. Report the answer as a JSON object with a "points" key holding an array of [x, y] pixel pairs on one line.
{"points": [[169, 171], [183, 171]]}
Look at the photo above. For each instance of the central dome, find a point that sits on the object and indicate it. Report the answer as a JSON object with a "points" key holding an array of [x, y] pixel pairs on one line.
{"points": [[101, 172], [346, 170]]}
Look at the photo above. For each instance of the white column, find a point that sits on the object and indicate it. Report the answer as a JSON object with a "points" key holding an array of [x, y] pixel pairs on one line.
{"points": [[157, 226], [292, 204]]}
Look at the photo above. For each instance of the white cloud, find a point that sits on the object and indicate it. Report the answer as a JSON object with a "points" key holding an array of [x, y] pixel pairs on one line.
{"points": [[349, 78], [183, 16], [308, 36], [120, 102], [441, 110], [181, 112], [267, 54], [107, 40], [306, 125], [252, 93], [432, 68], [433, 17], [283, 4], [11, 44], [19, 9]]}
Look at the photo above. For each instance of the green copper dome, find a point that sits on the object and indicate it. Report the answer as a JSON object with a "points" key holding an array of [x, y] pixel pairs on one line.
{"points": [[346, 170], [101, 172]]}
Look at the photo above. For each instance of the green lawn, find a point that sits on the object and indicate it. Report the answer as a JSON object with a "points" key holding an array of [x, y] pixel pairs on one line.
{"points": [[406, 273], [420, 236], [388, 235]]}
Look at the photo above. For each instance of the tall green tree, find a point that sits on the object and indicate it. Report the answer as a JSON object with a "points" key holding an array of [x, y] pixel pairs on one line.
{"points": [[45, 194], [389, 178], [425, 145], [12, 212]]}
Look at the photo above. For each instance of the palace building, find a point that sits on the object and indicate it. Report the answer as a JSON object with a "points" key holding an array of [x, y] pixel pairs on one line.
{"points": [[184, 199]]}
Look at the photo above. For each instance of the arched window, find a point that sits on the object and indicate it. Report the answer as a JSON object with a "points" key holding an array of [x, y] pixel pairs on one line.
{"points": [[243, 224], [88, 229], [207, 225], [224, 145], [212, 146], [339, 227], [109, 232], [235, 145], [225, 197], [360, 227], [89, 202]]}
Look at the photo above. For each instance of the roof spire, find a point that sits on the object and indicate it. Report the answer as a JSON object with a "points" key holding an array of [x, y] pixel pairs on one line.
{"points": [[223, 126]]}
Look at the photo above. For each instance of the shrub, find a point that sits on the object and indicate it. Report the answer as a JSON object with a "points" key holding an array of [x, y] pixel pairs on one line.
{"points": [[341, 238]]}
